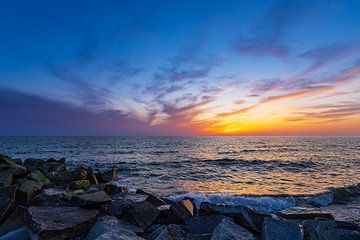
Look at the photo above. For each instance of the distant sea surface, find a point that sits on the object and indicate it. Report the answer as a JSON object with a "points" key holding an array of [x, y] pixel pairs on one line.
{"points": [[215, 165]]}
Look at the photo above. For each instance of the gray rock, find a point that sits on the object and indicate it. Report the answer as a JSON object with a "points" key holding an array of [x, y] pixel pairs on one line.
{"points": [[22, 233], [7, 200], [107, 226], [46, 200], [112, 188], [173, 232], [16, 220], [67, 177], [61, 222], [33, 163], [27, 190], [104, 177], [203, 224], [154, 200], [174, 213], [38, 176], [228, 230], [134, 208], [304, 213], [90, 199], [274, 229], [318, 230], [6, 178], [246, 217]]}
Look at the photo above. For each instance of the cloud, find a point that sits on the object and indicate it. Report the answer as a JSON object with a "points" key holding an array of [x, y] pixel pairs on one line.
{"points": [[172, 74], [266, 37], [27, 114], [324, 56]]}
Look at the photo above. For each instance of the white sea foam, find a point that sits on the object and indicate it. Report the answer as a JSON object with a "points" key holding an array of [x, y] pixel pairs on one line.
{"points": [[262, 204]]}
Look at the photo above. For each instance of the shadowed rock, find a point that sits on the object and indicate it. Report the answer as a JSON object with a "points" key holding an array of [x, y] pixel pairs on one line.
{"points": [[22, 233], [90, 199], [174, 213], [173, 232], [61, 222], [304, 213], [6, 178], [154, 200], [7, 200], [228, 230], [27, 190], [203, 226], [16, 220], [274, 229]]}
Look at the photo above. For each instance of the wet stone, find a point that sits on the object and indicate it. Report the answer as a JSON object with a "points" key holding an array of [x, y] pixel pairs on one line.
{"points": [[61, 222], [27, 190], [16, 220], [7, 201], [90, 199], [274, 229], [227, 230], [304, 213]]}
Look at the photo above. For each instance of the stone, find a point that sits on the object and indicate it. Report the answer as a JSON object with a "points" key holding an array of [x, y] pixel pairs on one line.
{"points": [[80, 184], [134, 208], [274, 229], [112, 188], [174, 213], [6, 160], [18, 170], [46, 200], [318, 230], [61, 222], [52, 165], [190, 205], [27, 190], [304, 213], [38, 176], [349, 212], [67, 177], [6, 178], [33, 163], [16, 220], [173, 232], [22, 233], [154, 200], [111, 226], [90, 199], [7, 201], [104, 177], [228, 230], [203, 225], [246, 217]]}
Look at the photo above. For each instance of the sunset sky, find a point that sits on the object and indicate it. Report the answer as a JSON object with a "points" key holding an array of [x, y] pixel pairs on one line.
{"points": [[180, 67]]}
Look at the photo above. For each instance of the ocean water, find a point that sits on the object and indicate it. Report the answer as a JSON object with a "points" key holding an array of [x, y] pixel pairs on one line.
{"points": [[208, 166]]}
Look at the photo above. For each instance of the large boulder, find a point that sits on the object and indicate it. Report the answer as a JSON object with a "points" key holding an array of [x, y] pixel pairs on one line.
{"points": [[104, 177], [52, 165], [304, 213], [27, 190], [22, 233], [7, 201], [174, 213], [107, 226], [6, 178], [154, 200], [228, 230], [203, 226], [38, 176], [274, 229], [61, 222], [134, 208], [46, 200], [33, 163], [173, 232], [246, 217], [16, 220], [90, 199], [67, 177]]}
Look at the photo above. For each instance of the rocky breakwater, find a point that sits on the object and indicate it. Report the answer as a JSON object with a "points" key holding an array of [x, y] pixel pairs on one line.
{"points": [[42, 199]]}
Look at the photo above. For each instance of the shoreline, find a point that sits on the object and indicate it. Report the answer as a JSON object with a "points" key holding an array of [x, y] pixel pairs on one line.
{"points": [[43, 199]]}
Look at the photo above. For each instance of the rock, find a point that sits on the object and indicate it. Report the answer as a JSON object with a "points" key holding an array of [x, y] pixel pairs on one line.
{"points": [[349, 212], [228, 230], [112, 227], [33, 163], [7, 200], [318, 230], [173, 232], [22, 233], [38, 176], [104, 177], [134, 208], [52, 165], [27, 190], [203, 225], [46, 200], [6, 160], [174, 213], [61, 222], [6, 178], [190, 205], [66, 177], [90, 199], [152, 198], [6, 163], [304, 213], [342, 234], [80, 184], [155, 231], [112, 188], [18, 170], [246, 217], [16, 220], [274, 229]]}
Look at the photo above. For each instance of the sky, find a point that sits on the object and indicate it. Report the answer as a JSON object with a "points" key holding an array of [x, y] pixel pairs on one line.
{"points": [[179, 67]]}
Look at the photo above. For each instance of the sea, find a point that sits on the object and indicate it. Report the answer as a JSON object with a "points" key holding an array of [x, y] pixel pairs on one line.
{"points": [[257, 171]]}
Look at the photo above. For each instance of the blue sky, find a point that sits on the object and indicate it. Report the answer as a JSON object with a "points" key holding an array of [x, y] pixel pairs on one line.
{"points": [[179, 67]]}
